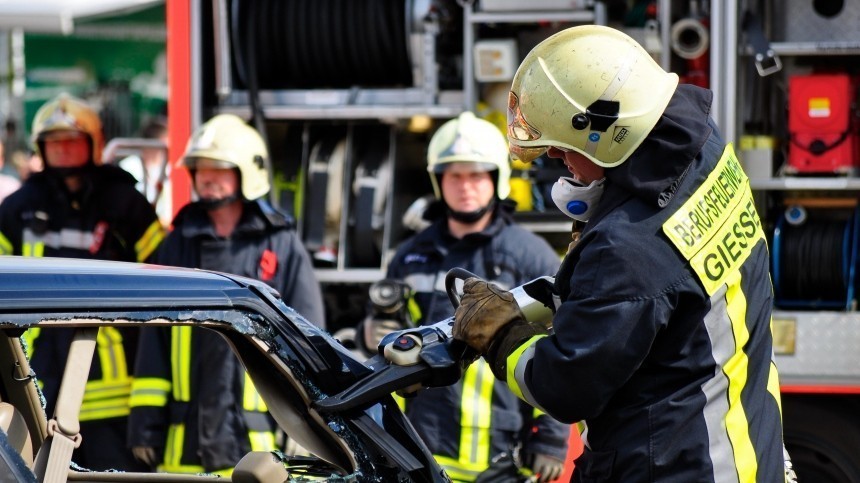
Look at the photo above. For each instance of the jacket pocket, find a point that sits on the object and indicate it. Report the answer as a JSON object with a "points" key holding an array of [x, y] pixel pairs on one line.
{"points": [[594, 466]]}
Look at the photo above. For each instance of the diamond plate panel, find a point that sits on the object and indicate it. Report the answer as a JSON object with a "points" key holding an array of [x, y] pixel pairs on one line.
{"points": [[827, 347], [801, 21]]}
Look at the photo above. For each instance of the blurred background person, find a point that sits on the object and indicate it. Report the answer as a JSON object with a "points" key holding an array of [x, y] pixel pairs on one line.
{"points": [[203, 416], [78, 207]]}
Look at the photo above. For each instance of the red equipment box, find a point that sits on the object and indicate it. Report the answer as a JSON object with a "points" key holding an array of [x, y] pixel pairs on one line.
{"points": [[821, 125]]}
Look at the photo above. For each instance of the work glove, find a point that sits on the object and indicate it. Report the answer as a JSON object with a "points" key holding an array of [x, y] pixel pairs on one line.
{"points": [[146, 455], [375, 329], [490, 321], [484, 309], [545, 467]]}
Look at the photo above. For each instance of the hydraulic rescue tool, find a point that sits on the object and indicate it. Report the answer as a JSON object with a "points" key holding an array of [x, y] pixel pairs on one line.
{"points": [[429, 356]]}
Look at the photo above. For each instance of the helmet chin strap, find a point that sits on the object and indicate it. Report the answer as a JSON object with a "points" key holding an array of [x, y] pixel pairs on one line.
{"points": [[469, 217], [210, 204]]}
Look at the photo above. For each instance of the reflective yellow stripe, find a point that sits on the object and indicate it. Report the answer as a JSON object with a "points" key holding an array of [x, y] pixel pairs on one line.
{"points": [[262, 440], [180, 361], [104, 409], [36, 249], [149, 241], [476, 415], [251, 400], [173, 451], [108, 397], [459, 471], [5, 245], [173, 455], [736, 369], [194, 469], [773, 386], [149, 391], [513, 360], [28, 338], [413, 309], [98, 390], [718, 226], [400, 401], [112, 354]]}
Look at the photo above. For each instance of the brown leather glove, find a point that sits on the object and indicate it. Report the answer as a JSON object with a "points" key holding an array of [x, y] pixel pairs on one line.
{"points": [[484, 309]]}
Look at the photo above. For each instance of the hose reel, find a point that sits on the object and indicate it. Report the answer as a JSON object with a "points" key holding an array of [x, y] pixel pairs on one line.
{"points": [[325, 43], [813, 258]]}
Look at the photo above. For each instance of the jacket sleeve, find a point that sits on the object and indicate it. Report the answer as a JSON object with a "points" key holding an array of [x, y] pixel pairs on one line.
{"points": [[148, 230], [301, 290], [151, 390]]}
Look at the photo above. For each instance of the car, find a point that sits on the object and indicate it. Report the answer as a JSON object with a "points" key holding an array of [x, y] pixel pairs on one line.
{"points": [[333, 404]]}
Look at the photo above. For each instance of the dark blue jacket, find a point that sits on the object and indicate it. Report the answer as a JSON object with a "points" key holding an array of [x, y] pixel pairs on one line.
{"points": [[508, 255]]}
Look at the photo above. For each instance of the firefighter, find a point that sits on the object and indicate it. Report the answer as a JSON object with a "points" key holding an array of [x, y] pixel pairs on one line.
{"points": [[194, 409], [77, 207], [476, 421], [661, 342]]}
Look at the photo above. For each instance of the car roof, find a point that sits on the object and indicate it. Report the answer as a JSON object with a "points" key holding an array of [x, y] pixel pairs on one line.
{"points": [[40, 282]]}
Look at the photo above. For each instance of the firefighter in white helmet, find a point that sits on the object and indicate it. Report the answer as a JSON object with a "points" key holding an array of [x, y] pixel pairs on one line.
{"points": [[230, 228], [79, 208], [661, 343], [471, 227]]}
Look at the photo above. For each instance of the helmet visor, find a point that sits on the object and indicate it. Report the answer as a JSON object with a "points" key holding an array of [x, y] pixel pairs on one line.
{"points": [[519, 131]]}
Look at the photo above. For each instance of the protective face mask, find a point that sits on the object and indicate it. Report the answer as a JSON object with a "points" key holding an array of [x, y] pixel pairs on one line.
{"points": [[576, 200]]}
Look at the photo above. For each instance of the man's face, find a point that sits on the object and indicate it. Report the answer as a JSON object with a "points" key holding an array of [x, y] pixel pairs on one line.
{"points": [[66, 149], [466, 189], [579, 166], [215, 183]]}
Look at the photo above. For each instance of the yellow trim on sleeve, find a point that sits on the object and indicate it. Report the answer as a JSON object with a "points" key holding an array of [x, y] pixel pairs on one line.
{"points": [[513, 360]]}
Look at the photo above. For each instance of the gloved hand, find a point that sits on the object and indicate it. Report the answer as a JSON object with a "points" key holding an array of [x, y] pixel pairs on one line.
{"points": [[146, 455], [375, 329], [484, 309], [546, 467]]}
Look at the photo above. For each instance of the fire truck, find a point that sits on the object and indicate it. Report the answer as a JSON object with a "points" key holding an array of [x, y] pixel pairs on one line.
{"points": [[347, 94]]}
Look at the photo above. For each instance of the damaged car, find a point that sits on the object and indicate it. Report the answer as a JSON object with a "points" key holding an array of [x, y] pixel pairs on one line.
{"points": [[334, 405]]}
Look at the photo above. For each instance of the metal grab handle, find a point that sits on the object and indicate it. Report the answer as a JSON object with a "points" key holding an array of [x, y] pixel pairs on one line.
{"points": [[451, 278]]}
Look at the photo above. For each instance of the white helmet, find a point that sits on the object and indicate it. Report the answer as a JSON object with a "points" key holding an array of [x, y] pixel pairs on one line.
{"points": [[591, 89], [468, 139], [228, 139]]}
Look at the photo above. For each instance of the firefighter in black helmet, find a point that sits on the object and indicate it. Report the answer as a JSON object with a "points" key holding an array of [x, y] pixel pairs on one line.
{"points": [[230, 228]]}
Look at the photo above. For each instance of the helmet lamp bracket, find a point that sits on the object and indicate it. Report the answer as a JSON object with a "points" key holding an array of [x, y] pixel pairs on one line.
{"points": [[602, 114]]}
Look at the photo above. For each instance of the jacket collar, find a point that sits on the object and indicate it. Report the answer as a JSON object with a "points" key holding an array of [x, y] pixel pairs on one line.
{"points": [[194, 221], [657, 166]]}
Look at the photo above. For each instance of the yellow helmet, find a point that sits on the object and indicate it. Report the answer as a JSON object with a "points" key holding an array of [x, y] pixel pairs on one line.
{"points": [[591, 89], [468, 139], [68, 113], [228, 139]]}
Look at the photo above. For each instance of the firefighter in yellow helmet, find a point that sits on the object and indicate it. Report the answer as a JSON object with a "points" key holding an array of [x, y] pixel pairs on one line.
{"points": [[76, 207], [475, 427], [230, 228], [661, 342]]}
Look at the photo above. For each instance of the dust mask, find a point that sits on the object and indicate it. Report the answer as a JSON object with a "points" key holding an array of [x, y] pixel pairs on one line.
{"points": [[576, 200]]}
